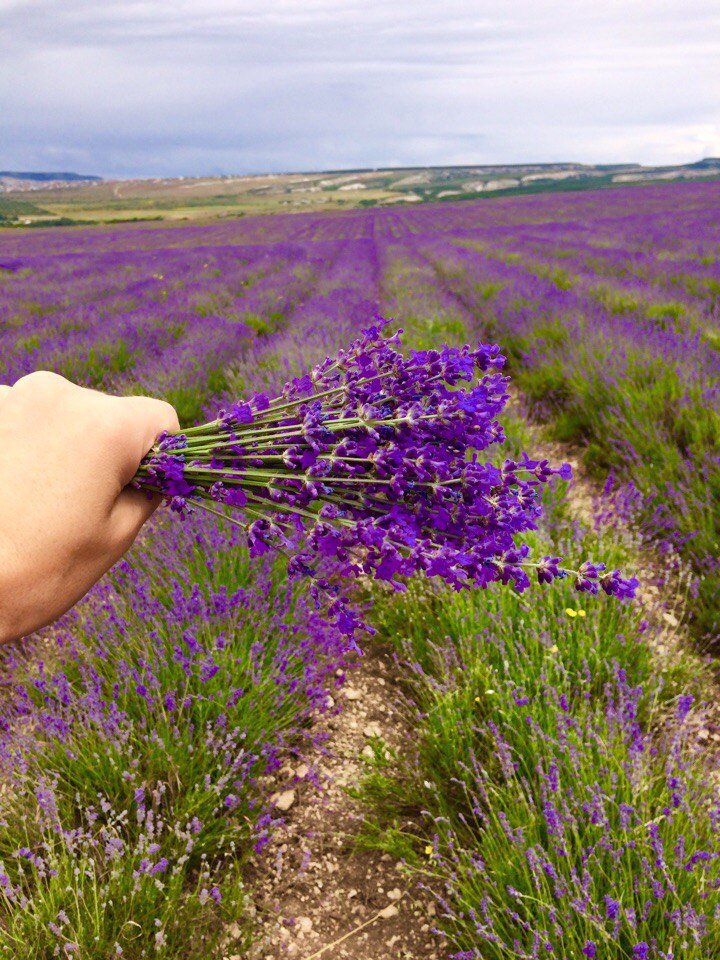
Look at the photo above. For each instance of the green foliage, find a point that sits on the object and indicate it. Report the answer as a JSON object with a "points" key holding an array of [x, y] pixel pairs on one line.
{"points": [[12, 209], [534, 673], [99, 365], [561, 277]]}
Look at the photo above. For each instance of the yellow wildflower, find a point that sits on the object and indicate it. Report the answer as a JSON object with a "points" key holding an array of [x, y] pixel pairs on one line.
{"points": [[554, 648], [570, 612]]}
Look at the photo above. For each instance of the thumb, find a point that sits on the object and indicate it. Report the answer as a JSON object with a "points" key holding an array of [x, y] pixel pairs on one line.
{"points": [[130, 511]]}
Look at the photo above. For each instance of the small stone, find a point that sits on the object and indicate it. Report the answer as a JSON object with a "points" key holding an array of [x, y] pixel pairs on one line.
{"points": [[303, 925], [283, 801], [367, 751], [394, 894], [372, 730], [302, 771], [352, 694], [389, 912]]}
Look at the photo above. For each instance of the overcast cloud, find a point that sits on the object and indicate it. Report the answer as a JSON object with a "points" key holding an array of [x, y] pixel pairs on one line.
{"points": [[149, 87]]}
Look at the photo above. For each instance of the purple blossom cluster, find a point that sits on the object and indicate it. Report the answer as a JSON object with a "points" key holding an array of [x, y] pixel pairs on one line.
{"points": [[377, 458]]}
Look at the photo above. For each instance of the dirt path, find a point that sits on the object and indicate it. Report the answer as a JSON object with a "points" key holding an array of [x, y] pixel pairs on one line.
{"points": [[318, 894]]}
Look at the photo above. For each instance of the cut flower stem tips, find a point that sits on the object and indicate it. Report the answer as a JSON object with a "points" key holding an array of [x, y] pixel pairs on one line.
{"points": [[375, 464]]}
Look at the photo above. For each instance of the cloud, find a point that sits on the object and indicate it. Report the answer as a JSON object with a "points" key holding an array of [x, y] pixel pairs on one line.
{"points": [[139, 87]]}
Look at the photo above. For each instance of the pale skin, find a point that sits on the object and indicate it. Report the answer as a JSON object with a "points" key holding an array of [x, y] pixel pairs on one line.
{"points": [[67, 455]]}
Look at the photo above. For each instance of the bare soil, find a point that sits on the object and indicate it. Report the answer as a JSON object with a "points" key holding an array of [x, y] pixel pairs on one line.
{"points": [[319, 894]]}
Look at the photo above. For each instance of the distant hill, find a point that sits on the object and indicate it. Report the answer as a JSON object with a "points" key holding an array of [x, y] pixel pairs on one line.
{"points": [[45, 176], [707, 163], [45, 199]]}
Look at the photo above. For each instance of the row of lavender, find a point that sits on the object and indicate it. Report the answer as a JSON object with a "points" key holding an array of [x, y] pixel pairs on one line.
{"points": [[567, 812], [561, 778], [138, 740], [612, 326]]}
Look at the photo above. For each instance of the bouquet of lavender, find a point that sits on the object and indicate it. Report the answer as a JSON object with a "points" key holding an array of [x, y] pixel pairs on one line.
{"points": [[374, 460]]}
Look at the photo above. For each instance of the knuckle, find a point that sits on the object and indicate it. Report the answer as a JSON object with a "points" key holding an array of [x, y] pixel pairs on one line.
{"points": [[168, 415], [44, 380], [154, 415]]}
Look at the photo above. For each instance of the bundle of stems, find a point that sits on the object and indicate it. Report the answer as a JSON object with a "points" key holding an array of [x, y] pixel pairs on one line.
{"points": [[376, 461]]}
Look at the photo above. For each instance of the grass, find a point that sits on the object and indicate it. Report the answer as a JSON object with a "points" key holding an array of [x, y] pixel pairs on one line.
{"points": [[547, 771], [12, 209]]}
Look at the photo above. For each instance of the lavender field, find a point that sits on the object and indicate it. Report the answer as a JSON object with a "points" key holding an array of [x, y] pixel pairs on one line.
{"points": [[558, 800]]}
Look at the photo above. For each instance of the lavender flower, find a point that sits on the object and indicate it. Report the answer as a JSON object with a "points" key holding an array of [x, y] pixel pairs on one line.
{"points": [[376, 458]]}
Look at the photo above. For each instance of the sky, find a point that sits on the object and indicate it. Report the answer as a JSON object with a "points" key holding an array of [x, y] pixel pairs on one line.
{"points": [[130, 88]]}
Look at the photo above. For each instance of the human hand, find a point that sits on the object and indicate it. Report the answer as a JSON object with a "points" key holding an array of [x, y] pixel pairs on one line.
{"points": [[67, 515]]}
